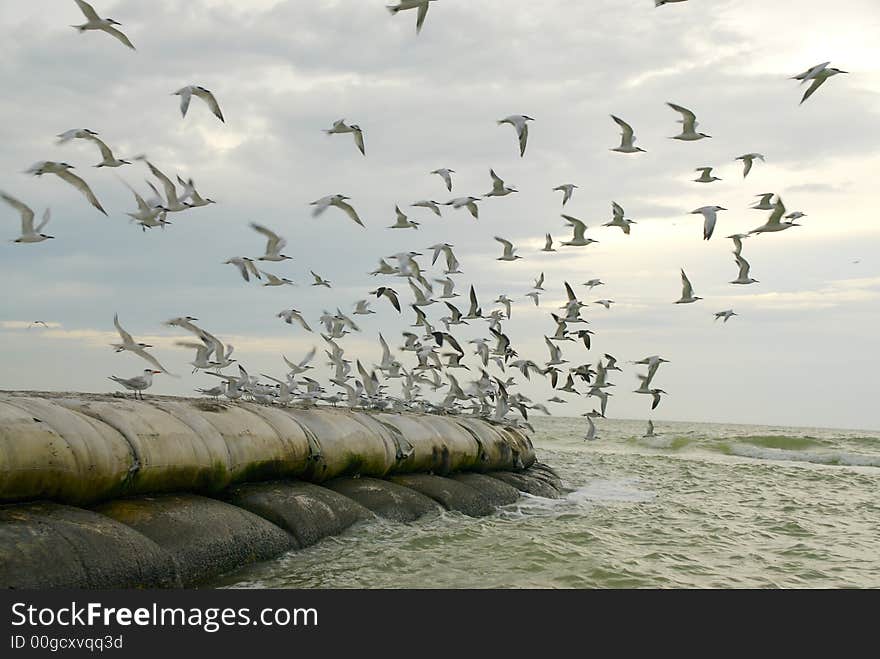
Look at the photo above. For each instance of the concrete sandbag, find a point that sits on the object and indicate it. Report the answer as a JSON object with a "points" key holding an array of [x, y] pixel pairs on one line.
{"points": [[308, 512], [450, 493], [498, 451], [498, 492], [546, 473], [525, 482], [384, 498], [169, 454], [50, 452], [205, 537], [439, 444], [524, 451], [47, 545], [348, 445]]}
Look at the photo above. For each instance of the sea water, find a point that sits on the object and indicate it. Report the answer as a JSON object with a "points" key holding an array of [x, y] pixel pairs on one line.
{"points": [[699, 506]]}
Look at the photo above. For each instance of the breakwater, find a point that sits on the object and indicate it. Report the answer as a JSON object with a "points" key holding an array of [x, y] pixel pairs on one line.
{"points": [[105, 492]]}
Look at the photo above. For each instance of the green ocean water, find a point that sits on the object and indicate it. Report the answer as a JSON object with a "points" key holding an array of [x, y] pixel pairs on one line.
{"points": [[699, 506]]}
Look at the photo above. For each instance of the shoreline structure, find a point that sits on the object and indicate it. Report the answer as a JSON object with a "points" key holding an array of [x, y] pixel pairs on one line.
{"points": [[98, 491]]}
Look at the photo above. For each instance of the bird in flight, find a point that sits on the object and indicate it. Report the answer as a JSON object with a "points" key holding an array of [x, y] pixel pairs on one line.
{"points": [[95, 22], [520, 123], [186, 94]]}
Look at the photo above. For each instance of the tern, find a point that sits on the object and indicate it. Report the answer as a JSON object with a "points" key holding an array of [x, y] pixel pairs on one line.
{"points": [[189, 192], [796, 215], [650, 431], [725, 314], [539, 283], [245, 266], [748, 159], [448, 288], [710, 217], [593, 283], [362, 308], [520, 123], [129, 344], [706, 176], [509, 250], [579, 228], [422, 6], [75, 134], [618, 219], [499, 189], [591, 427], [138, 384], [173, 203], [339, 201], [743, 277], [765, 204], [689, 125], [466, 202], [390, 293], [272, 280], [534, 295], [567, 189], [774, 223], [403, 222], [627, 139], [62, 171], [289, 315], [29, 233], [108, 159], [687, 291], [428, 203], [660, 3], [737, 242], [605, 303], [548, 244], [274, 244], [95, 22], [320, 281], [818, 74], [445, 174], [186, 94], [339, 126]]}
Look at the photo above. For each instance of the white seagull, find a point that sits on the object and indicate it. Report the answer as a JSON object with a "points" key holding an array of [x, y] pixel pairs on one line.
{"points": [[289, 315], [466, 202], [339, 126], [319, 281], [62, 171], [627, 139], [138, 384], [687, 291], [428, 203], [579, 228], [274, 244], [95, 22], [421, 5], [743, 277], [445, 174], [618, 220], [339, 201], [710, 217], [689, 125], [403, 222], [186, 94], [29, 233], [130, 345], [508, 254], [818, 74], [748, 159], [567, 189], [774, 223], [519, 122], [245, 266], [499, 189], [706, 176]]}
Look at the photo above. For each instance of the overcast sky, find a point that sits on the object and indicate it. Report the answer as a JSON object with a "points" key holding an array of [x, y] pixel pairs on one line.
{"points": [[803, 350]]}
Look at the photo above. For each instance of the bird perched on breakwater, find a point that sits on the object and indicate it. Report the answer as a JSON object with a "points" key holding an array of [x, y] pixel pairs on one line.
{"points": [[137, 384]]}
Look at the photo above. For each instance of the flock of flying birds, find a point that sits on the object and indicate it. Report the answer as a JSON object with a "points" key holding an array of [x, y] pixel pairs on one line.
{"points": [[438, 353]]}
